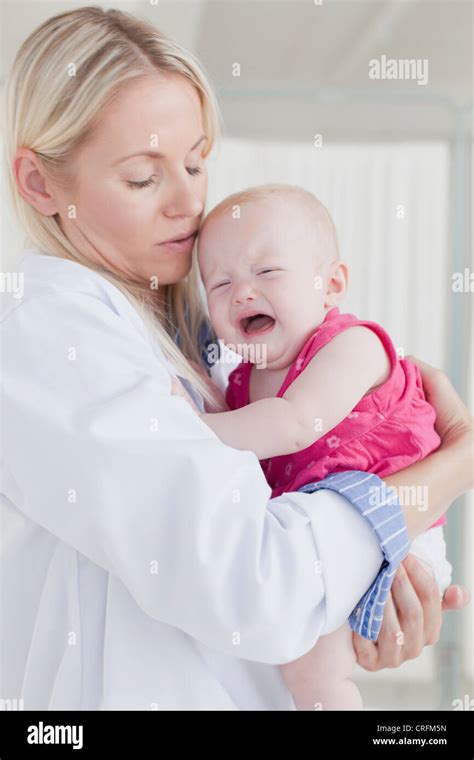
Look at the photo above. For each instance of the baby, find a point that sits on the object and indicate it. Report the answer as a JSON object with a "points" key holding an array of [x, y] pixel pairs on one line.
{"points": [[318, 391]]}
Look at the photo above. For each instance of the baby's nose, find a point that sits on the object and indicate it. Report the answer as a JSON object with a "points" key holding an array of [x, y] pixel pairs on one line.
{"points": [[243, 292]]}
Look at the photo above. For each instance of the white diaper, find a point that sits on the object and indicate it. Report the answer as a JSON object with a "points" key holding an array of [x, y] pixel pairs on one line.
{"points": [[431, 547]]}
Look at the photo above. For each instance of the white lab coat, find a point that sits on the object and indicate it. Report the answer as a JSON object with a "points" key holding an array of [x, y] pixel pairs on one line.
{"points": [[143, 565]]}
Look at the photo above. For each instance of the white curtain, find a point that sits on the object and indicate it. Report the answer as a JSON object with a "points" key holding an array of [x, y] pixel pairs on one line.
{"points": [[390, 206]]}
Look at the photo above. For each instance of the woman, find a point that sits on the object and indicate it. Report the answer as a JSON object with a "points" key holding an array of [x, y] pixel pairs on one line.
{"points": [[153, 571]]}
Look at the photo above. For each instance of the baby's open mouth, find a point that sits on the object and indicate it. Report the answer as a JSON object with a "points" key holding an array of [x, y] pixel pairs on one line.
{"points": [[256, 323]]}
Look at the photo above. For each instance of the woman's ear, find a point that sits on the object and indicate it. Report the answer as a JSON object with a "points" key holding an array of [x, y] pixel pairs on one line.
{"points": [[31, 184], [336, 284]]}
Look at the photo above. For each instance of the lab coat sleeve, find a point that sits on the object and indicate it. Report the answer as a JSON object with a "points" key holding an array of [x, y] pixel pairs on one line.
{"points": [[128, 475]]}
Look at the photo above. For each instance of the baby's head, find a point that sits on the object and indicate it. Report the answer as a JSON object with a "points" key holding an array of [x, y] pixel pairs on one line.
{"points": [[270, 265]]}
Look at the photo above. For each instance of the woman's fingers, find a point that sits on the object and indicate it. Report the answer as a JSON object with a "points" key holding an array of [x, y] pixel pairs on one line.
{"points": [[404, 627], [412, 617], [456, 598], [418, 602], [391, 641], [386, 652], [367, 652]]}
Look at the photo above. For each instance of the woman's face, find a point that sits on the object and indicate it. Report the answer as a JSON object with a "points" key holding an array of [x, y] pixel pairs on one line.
{"points": [[127, 206]]}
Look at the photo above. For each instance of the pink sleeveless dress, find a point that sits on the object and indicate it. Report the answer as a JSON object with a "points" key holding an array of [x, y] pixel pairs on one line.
{"points": [[389, 429]]}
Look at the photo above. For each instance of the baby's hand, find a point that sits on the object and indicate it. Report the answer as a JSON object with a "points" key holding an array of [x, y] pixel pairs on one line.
{"points": [[221, 404], [178, 389]]}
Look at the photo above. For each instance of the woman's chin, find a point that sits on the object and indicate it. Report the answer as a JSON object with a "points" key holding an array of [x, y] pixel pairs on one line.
{"points": [[171, 272]]}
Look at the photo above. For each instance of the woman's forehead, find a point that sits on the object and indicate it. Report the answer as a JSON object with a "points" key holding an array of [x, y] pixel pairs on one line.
{"points": [[161, 114]]}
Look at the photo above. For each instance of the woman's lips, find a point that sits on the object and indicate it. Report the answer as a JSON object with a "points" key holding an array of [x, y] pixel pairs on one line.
{"points": [[179, 246]]}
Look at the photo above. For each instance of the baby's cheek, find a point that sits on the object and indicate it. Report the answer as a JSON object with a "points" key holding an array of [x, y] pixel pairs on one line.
{"points": [[220, 322], [226, 332]]}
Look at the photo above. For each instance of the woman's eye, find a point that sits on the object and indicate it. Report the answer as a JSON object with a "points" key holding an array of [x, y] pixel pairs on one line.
{"points": [[193, 170], [144, 183]]}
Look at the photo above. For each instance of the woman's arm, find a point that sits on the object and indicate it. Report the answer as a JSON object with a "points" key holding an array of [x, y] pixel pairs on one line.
{"points": [[449, 471], [414, 605], [100, 454]]}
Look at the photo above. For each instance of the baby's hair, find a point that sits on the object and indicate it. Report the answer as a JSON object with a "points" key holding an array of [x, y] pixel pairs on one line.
{"points": [[317, 214]]}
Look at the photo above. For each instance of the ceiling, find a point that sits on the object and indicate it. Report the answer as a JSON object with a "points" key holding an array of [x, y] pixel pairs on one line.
{"points": [[304, 66]]}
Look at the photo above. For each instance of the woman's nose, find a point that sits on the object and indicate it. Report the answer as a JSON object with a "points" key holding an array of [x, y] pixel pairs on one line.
{"points": [[184, 200]]}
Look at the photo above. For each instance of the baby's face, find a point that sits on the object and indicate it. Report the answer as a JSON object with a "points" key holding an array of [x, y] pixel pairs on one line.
{"points": [[262, 280]]}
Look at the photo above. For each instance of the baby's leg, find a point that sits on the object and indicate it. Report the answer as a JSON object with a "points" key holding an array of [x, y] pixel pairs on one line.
{"points": [[321, 678]]}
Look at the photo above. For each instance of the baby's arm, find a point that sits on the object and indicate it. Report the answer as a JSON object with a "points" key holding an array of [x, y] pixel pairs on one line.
{"points": [[324, 394]]}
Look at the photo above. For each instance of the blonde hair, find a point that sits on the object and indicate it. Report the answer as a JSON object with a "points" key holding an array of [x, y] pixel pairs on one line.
{"points": [[317, 214], [52, 114]]}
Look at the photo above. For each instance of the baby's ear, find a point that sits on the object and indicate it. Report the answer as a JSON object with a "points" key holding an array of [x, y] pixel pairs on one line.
{"points": [[336, 284]]}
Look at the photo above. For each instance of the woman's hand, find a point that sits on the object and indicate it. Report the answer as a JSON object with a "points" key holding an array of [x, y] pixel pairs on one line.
{"points": [[412, 618], [413, 613], [448, 472], [454, 423]]}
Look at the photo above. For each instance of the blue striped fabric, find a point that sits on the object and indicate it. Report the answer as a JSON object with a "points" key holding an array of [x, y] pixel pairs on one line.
{"points": [[375, 501], [206, 335]]}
